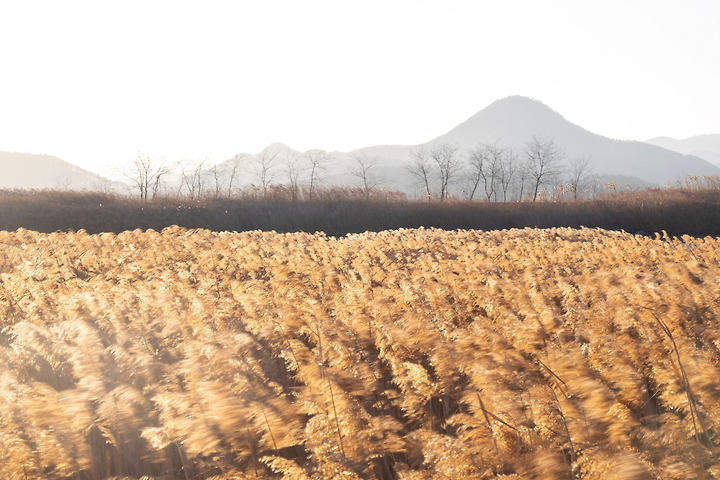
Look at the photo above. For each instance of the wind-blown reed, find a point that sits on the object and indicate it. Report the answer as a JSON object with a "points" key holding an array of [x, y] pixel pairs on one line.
{"points": [[408, 354]]}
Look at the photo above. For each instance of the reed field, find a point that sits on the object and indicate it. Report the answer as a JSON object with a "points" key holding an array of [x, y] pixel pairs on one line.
{"points": [[404, 354]]}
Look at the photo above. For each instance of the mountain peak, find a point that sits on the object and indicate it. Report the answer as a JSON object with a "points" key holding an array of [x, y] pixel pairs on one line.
{"points": [[513, 121], [519, 101], [518, 105], [276, 148], [510, 120]]}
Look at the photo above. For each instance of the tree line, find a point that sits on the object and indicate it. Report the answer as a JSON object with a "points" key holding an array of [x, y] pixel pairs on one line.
{"points": [[500, 173], [300, 173], [540, 170]]}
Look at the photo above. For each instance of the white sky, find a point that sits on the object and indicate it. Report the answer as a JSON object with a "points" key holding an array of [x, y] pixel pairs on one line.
{"points": [[94, 82]]}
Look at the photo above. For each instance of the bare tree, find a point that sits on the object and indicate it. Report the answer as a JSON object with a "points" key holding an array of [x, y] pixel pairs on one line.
{"points": [[232, 168], [103, 185], [193, 178], [579, 176], [542, 158], [476, 163], [506, 172], [216, 174], [146, 173], [595, 186], [317, 162], [221, 174], [294, 168], [485, 162], [448, 163], [365, 169], [420, 168], [266, 166], [62, 182]]}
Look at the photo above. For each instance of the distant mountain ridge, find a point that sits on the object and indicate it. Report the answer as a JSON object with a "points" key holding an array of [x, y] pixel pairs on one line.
{"points": [[508, 122], [31, 171], [513, 121], [704, 146]]}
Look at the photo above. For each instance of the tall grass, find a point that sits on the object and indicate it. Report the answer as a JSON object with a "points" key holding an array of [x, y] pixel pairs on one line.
{"points": [[678, 210], [525, 353]]}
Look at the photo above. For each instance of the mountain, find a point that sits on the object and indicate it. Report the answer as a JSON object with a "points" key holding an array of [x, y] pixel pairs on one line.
{"points": [[30, 171], [514, 120], [511, 122], [704, 146], [334, 168]]}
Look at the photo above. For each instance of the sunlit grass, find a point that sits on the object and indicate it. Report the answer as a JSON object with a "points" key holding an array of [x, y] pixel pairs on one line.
{"points": [[403, 354]]}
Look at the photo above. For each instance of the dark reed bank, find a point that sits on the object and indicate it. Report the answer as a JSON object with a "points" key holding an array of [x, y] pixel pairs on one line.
{"points": [[341, 211]]}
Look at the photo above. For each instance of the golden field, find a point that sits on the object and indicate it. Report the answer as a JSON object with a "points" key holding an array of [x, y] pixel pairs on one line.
{"points": [[408, 354]]}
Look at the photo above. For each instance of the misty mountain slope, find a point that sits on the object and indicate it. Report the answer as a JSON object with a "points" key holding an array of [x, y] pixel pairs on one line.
{"points": [[514, 120], [337, 168], [389, 152], [30, 171], [704, 146], [509, 122]]}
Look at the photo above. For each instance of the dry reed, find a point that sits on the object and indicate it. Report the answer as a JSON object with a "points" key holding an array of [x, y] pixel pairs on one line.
{"points": [[407, 354]]}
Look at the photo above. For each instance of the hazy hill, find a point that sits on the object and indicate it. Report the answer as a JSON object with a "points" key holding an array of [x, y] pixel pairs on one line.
{"points": [[30, 171], [703, 146], [512, 122], [336, 168]]}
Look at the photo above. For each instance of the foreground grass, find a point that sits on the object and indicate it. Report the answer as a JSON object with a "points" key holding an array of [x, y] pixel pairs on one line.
{"points": [[414, 354]]}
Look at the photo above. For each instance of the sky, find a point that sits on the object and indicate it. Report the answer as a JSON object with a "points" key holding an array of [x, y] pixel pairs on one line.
{"points": [[95, 83]]}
